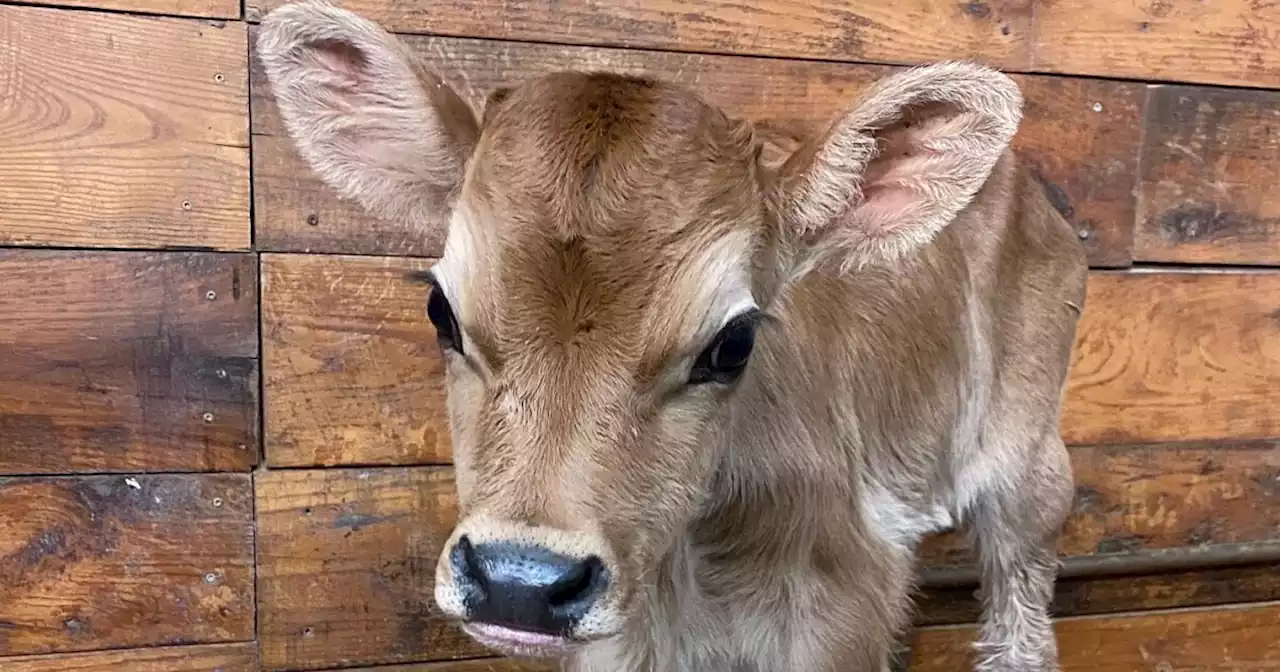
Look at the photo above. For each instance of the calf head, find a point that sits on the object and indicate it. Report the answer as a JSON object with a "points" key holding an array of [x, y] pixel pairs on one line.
{"points": [[614, 248]]}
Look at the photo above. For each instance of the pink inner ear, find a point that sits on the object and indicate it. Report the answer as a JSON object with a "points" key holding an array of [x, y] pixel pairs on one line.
{"points": [[341, 58], [913, 167]]}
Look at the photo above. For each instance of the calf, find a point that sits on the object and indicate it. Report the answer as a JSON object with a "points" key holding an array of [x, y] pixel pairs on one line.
{"points": [[704, 404]]}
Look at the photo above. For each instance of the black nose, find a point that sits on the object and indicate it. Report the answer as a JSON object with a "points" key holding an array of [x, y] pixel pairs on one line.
{"points": [[526, 587]]}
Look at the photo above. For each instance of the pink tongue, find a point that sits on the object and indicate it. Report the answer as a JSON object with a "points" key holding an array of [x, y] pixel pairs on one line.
{"points": [[501, 634]]}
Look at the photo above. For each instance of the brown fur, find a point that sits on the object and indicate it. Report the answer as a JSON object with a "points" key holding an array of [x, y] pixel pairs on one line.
{"points": [[920, 296]]}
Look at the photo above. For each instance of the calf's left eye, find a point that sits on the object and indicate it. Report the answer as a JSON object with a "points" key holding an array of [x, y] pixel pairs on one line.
{"points": [[725, 358]]}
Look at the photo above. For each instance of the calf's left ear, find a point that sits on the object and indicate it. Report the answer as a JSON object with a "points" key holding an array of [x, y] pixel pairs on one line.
{"points": [[369, 120], [891, 172]]}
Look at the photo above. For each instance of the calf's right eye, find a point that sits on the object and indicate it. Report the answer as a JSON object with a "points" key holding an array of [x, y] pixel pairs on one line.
{"points": [[441, 315]]}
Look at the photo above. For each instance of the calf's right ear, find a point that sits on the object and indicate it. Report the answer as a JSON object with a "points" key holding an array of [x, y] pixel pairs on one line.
{"points": [[371, 123], [892, 171]]}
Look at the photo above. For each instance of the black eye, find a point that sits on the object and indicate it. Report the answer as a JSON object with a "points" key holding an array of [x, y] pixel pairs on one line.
{"points": [[441, 316], [726, 357]]}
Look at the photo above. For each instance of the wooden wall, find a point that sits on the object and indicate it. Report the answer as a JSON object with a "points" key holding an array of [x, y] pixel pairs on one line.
{"points": [[222, 444]]}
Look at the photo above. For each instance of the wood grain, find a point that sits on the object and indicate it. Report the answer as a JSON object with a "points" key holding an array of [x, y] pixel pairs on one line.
{"points": [[121, 361], [353, 370], [1081, 136], [1220, 42], [212, 9], [475, 665], [242, 657], [996, 31], [99, 562], [347, 567], [122, 131], [1131, 499], [1176, 356], [1077, 596], [1203, 196], [1224, 639]]}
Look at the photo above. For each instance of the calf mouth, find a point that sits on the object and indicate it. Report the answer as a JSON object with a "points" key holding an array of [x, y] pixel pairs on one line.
{"points": [[520, 643]]}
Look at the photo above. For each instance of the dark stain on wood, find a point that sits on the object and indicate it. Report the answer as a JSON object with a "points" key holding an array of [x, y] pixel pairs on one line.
{"points": [[118, 561], [1203, 150], [122, 363], [977, 10]]}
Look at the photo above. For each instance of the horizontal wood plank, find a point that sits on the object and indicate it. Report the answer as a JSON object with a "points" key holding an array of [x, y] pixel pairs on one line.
{"points": [[996, 31], [1204, 197], [475, 665], [1131, 499], [1079, 596], [122, 131], [347, 567], [242, 657], [1176, 357], [1222, 42], [1080, 136], [353, 370], [1161, 357], [212, 9], [1226, 639], [127, 361], [98, 562]]}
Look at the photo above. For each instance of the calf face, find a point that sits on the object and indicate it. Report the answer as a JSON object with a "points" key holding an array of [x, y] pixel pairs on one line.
{"points": [[614, 246]]}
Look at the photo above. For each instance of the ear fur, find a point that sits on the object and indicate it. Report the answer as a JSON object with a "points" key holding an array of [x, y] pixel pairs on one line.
{"points": [[891, 172], [371, 123]]}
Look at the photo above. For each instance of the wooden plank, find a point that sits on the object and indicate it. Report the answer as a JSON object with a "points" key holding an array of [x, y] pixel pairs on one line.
{"points": [[1176, 357], [1221, 42], [353, 371], [1224, 639], [995, 31], [242, 657], [98, 562], [122, 131], [1160, 357], [1082, 136], [347, 567], [1077, 596], [1202, 199], [212, 9], [1131, 499], [475, 665], [127, 361]]}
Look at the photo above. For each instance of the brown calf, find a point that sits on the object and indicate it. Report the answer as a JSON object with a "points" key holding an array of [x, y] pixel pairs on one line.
{"points": [[705, 405]]}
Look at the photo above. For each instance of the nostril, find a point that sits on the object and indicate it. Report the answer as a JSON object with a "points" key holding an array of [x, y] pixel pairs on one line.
{"points": [[579, 586]]}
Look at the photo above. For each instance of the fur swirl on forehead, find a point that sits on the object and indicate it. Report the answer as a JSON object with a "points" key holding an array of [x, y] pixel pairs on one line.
{"points": [[594, 152]]}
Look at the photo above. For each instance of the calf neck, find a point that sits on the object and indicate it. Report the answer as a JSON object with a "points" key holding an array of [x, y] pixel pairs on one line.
{"points": [[705, 403]]}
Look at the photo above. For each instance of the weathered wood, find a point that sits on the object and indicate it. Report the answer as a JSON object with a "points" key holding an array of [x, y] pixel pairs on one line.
{"points": [[122, 131], [1224, 639], [1081, 136], [212, 9], [1221, 42], [352, 536], [1080, 596], [475, 665], [127, 361], [353, 370], [242, 657], [1207, 193], [1142, 498], [997, 31], [347, 567], [100, 562], [1176, 356]]}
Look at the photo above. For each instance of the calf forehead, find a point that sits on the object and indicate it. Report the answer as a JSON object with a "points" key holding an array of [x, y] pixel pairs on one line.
{"points": [[604, 211]]}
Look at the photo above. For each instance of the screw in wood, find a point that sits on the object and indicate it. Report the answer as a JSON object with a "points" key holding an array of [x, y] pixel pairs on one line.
{"points": [[211, 295], [208, 417]]}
